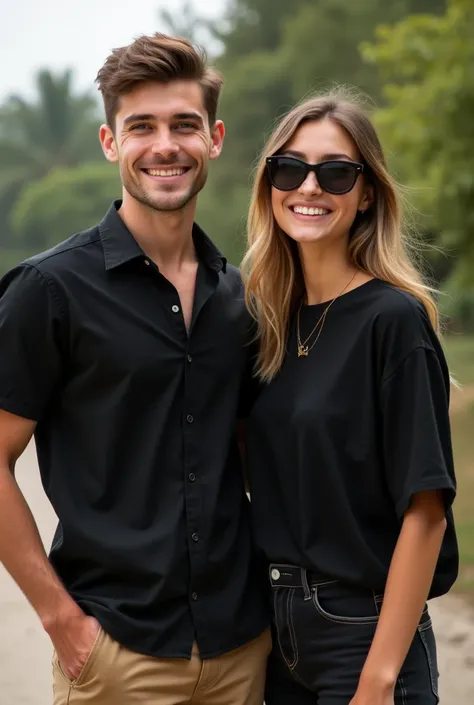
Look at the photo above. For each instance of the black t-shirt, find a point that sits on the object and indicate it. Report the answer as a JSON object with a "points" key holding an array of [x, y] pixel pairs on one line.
{"points": [[340, 441]]}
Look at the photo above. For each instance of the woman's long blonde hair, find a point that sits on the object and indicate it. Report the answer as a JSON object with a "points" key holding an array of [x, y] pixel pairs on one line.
{"points": [[378, 245]]}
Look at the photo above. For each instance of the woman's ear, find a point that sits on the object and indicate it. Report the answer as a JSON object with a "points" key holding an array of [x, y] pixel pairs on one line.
{"points": [[367, 199]]}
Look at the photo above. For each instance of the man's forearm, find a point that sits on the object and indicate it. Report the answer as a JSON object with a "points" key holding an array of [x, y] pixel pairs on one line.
{"points": [[24, 557]]}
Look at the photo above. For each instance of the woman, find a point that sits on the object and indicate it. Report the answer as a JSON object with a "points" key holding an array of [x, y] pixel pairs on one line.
{"points": [[349, 451]]}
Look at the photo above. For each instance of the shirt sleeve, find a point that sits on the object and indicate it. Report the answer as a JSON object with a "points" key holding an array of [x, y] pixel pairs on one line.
{"points": [[416, 429], [30, 350], [250, 386]]}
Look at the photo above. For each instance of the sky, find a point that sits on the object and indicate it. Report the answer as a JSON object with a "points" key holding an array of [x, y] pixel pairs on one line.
{"points": [[57, 34]]}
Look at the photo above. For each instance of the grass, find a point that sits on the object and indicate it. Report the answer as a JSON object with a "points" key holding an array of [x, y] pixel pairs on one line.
{"points": [[459, 350], [460, 354]]}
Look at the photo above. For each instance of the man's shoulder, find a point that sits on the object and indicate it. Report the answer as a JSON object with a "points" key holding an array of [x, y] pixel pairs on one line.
{"points": [[64, 254], [232, 276]]}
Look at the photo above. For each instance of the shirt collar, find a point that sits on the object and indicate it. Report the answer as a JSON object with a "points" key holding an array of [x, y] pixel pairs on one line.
{"points": [[120, 246]]}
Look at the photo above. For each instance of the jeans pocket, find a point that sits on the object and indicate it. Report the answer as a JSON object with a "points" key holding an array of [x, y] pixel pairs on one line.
{"points": [[283, 619], [360, 607], [426, 634], [87, 665]]}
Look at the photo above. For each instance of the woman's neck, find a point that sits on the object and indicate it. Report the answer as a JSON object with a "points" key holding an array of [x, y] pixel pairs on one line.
{"points": [[326, 271]]}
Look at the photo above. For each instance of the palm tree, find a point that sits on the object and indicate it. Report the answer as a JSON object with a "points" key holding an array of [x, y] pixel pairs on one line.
{"points": [[57, 129]]}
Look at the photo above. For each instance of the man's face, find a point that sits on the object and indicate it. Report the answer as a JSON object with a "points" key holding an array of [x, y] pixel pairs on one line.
{"points": [[162, 143]]}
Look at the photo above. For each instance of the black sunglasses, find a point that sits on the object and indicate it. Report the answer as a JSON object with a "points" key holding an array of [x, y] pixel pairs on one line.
{"points": [[334, 176]]}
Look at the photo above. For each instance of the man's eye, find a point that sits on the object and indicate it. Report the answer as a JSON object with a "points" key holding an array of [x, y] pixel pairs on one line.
{"points": [[186, 126], [141, 126]]}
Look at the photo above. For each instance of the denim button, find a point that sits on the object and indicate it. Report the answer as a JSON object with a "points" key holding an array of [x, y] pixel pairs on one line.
{"points": [[175, 309], [275, 574], [195, 538], [194, 596]]}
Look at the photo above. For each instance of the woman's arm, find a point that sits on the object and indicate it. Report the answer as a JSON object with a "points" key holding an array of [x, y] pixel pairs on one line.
{"points": [[408, 584]]}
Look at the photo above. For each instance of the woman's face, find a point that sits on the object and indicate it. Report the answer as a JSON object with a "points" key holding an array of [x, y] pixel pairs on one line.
{"points": [[315, 142]]}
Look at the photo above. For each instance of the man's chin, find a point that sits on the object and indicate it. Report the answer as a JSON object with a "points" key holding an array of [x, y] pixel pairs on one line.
{"points": [[167, 205]]}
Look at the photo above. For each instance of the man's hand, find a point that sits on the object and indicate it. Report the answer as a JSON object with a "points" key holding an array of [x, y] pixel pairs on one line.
{"points": [[73, 638]]}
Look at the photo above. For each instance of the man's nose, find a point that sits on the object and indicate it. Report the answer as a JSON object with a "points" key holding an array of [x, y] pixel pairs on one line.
{"points": [[165, 144]]}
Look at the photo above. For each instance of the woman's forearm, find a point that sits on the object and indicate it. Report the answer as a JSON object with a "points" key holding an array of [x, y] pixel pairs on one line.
{"points": [[408, 584]]}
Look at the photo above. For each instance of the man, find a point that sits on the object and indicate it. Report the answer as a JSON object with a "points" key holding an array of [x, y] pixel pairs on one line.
{"points": [[123, 350]]}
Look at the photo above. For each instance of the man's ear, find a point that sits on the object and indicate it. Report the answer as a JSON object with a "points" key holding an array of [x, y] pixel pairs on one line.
{"points": [[217, 139], [107, 142]]}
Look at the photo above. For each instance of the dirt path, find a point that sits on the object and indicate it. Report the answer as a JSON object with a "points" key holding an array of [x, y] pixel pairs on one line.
{"points": [[25, 652]]}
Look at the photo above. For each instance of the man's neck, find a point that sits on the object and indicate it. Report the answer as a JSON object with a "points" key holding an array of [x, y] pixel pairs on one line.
{"points": [[165, 237]]}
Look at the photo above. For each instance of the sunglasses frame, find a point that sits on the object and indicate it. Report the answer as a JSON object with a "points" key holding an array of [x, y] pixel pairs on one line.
{"points": [[359, 168]]}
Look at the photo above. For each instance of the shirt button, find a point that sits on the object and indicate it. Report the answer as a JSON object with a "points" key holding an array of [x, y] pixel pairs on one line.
{"points": [[175, 309], [189, 418], [147, 262], [195, 538], [192, 477], [190, 359], [275, 574], [194, 596]]}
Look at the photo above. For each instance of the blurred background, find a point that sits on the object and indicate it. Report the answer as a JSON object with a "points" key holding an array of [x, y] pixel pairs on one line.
{"points": [[414, 60]]}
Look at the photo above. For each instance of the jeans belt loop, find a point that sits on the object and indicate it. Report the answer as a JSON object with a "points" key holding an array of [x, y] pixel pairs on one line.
{"points": [[304, 582]]}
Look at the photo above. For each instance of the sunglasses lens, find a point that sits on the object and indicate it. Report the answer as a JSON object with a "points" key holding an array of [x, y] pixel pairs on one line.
{"points": [[286, 173], [337, 177]]}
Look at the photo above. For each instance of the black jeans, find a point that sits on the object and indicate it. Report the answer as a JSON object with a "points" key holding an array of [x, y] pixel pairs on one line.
{"points": [[322, 632]]}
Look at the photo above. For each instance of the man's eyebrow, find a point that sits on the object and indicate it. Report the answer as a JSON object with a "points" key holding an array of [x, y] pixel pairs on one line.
{"points": [[189, 116], [138, 117], [141, 117]]}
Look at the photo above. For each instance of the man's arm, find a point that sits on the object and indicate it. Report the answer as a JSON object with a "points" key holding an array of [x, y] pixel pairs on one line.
{"points": [[24, 557]]}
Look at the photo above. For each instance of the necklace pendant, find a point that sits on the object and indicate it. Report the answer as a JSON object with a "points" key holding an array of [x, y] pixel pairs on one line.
{"points": [[303, 350]]}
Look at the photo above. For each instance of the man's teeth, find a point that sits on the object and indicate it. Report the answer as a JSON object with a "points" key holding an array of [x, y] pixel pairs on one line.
{"points": [[304, 210], [166, 172]]}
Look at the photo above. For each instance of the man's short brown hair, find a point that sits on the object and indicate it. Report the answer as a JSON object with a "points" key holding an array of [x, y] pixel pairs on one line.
{"points": [[160, 58]]}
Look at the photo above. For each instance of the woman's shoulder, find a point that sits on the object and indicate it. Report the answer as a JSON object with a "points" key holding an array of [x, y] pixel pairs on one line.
{"points": [[401, 321], [394, 303]]}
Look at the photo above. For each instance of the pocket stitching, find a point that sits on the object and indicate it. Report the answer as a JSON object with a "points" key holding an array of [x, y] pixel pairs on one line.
{"points": [[430, 661], [426, 625], [402, 690], [292, 631], [339, 619], [277, 629]]}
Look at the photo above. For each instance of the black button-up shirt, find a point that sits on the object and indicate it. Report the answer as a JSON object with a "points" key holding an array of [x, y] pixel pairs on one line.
{"points": [[135, 436]]}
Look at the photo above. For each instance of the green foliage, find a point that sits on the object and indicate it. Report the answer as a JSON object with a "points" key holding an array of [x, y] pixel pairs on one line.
{"points": [[57, 129], [427, 63], [276, 52], [63, 202], [187, 23], [273, 54]]}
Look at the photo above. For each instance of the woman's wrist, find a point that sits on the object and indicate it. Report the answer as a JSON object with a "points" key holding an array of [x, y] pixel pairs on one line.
{"points": [[378, 678]]}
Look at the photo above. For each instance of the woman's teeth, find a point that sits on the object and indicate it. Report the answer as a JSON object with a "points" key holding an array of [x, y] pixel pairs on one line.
{"points": [[304, 210]]}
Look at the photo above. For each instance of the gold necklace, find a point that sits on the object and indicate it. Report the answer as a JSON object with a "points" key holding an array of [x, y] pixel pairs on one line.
{"points": [[303, 347]]}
